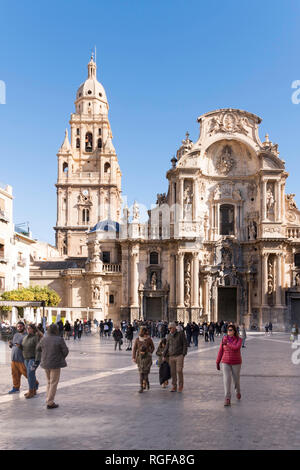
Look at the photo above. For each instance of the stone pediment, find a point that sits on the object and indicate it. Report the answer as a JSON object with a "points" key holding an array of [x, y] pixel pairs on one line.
{"points": [[271, 162], [229, 124]]}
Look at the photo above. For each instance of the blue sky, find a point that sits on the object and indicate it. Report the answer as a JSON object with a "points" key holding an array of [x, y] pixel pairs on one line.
{"points": [[162, 63]]}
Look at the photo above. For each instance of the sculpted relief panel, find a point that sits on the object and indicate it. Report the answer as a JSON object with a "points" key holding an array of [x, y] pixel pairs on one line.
{"points": [[229, 158]]}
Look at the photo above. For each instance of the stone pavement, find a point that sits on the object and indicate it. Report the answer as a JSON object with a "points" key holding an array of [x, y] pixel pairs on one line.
{"points": [[100, 407]]}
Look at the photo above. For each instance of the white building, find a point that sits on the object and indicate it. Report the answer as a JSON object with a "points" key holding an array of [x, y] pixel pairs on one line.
{"points": [[14, 247]]}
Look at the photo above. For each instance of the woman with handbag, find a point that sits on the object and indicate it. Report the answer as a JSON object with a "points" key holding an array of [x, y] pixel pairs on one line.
{"points": [[230, 357]]}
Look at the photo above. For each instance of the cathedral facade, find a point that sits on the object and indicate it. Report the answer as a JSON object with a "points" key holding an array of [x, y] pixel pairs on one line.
{"points": [[222, 243]]}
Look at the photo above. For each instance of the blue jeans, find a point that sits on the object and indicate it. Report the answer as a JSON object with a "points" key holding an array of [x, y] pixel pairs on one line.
{"points": [[30, 373], [195, 340]]}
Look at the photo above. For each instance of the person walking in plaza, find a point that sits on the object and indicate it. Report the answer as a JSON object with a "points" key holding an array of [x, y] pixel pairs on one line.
{"points": [[230, 356], [295, 332], [129, 336], [270, 328], [67, 329], [144, 363], [143, 340], [117, 336], [80, 329], [211, 332], [31, 358], [101, 329], [243, 335], [75, 330], [205, 329], [18, 367], [176, 350], [266, 329], [53, 351], [195, 334], [159, 353]]}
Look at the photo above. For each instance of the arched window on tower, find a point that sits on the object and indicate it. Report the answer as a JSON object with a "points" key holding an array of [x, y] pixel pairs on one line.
{"points": [[85, 216], [65, 168], [88, 142], [99, 143], [226, 219], [107, 168], [78, 143]]}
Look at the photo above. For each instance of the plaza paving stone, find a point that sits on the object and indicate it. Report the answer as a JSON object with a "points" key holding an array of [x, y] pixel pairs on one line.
{"points": [[100, 407]]}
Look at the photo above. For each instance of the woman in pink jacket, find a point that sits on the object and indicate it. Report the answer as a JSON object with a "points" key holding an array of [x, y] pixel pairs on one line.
{"points": [[230, 356]]}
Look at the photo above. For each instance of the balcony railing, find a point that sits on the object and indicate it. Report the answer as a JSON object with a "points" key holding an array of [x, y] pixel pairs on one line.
{"points": [[293, 232], [112, 268]]}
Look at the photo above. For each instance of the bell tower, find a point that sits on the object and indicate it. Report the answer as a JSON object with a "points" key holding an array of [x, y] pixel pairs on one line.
{"points": [[89, 177]]}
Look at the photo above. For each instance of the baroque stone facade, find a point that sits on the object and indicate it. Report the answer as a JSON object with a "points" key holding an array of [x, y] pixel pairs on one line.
{"points": [[222, 243]]}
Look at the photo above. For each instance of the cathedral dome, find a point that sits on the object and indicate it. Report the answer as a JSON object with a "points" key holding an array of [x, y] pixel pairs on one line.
{"points": [[91, 88], [107, 225]]}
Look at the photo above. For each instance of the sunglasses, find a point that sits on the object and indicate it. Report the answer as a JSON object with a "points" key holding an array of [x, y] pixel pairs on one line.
{"points": [[230, 329]]}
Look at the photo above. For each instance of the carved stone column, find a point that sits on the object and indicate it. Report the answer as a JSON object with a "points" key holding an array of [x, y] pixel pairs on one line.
{"points": [[69, 194], [134, 280], [195, 281], [172, 279], [180, 198], [264, 280], [279, 280], [264, 202], [180, 280], [195, 200], [278, 190]]}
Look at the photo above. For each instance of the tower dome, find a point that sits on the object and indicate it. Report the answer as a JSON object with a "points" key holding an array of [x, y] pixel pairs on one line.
{"points": [[91, 91]]}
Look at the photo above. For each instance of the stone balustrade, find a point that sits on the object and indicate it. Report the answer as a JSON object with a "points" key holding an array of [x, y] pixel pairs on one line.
{"points": [[111, 268], [293, 232]]}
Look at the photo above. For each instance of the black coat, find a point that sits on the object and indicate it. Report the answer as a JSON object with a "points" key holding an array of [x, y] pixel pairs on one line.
{"points": [[164, 372]]}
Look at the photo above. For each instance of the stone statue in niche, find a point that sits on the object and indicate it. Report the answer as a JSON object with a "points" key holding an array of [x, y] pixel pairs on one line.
{"points": [[252, 230], [270, 200], [153, 281], [187, 201], [96, 293], [297, 280], [217, 193]]}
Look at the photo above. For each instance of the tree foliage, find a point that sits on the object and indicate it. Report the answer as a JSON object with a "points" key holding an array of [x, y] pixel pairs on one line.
{"points": [[33, 294]]}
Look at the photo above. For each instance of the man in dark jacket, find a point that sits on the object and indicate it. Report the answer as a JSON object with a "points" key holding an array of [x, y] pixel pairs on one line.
{"points": [[118, 335], [176, 349], [54, 351]]}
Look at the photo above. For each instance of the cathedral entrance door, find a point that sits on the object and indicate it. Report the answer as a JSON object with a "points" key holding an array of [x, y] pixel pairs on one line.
{"points": [[153, 308], [295, 317], [227, 307]]}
